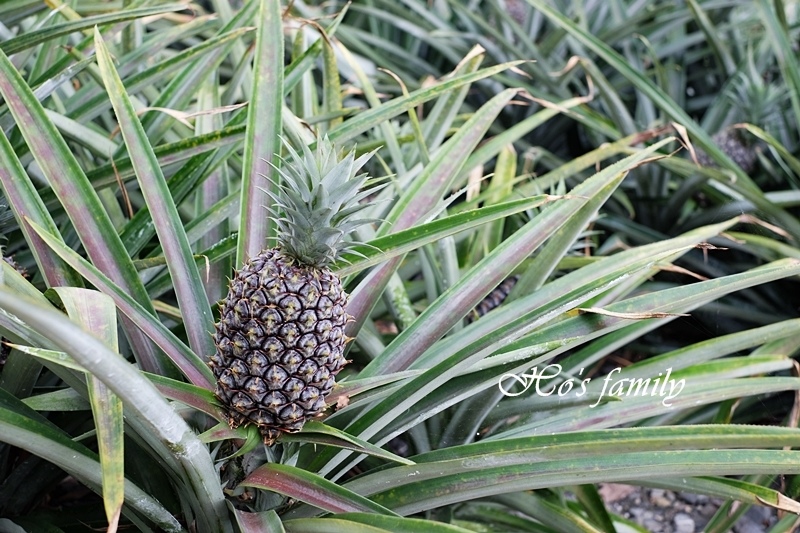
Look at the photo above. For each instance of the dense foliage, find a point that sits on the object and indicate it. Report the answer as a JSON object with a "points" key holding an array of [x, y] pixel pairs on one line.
{"points": [[580, 261]]}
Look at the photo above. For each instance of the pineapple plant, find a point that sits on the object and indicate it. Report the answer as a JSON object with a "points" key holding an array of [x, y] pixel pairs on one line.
{"points": [[752, 100], [427, 390], [280, 339]]}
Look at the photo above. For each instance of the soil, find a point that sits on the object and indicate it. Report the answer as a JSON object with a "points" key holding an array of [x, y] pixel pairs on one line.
{"points": [[665, 511]]}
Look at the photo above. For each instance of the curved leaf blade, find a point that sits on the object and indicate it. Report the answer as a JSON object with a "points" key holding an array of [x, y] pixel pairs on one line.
{"points": [[389, 246], [32, 38], [314, 432], [37, 436], [185, 359], [310, 488], [448, 489], [196, 311], [152, 415], [95, 312], [262, 141]]}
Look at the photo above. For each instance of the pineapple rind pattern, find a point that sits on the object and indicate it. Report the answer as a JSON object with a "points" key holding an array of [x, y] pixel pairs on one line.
{"points": [[493, 299], [280, 343], [731, 142]]}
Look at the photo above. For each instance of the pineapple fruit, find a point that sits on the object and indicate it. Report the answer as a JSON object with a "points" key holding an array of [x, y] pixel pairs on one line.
{"points": [[493, 299], [280, 339], [5, 350], [16, 266], [734, 145], [752, 100], [518, 10]]}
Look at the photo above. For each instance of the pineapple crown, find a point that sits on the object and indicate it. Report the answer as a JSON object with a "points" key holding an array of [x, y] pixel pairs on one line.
{"points": [[317, 200], [756, 100]]}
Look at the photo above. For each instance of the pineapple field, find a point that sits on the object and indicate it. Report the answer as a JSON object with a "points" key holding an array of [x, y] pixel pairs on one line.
{"points": [[397, 266]]}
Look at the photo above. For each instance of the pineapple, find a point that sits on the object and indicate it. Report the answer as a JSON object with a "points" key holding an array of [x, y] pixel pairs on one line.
{"points": [[518, 10], [493, 299], [5, 350], [734, 145], [751, 100], [16, 266], [280, 339]]}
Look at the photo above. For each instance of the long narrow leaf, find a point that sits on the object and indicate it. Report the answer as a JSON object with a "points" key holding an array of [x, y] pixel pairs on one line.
{"points": [[21, 196], [262, 142], [32, 38], [160, 425], [95, 312], [185, 359], [372, 523], [369, 119], [310, 488], [379, 250], [318, 433], [189, 290], [481, 482], [80, 201]]}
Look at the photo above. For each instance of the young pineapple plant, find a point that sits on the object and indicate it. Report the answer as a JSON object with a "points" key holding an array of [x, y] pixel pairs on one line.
{"points": [[755, 101], [280, 339]]}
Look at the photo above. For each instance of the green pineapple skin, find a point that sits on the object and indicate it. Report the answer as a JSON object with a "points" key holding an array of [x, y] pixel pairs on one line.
{"points": [[280, 343]]}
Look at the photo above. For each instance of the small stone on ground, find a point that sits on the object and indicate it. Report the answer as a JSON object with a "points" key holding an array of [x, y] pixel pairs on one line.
{"points": [[683, 523], [667, 511]]}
